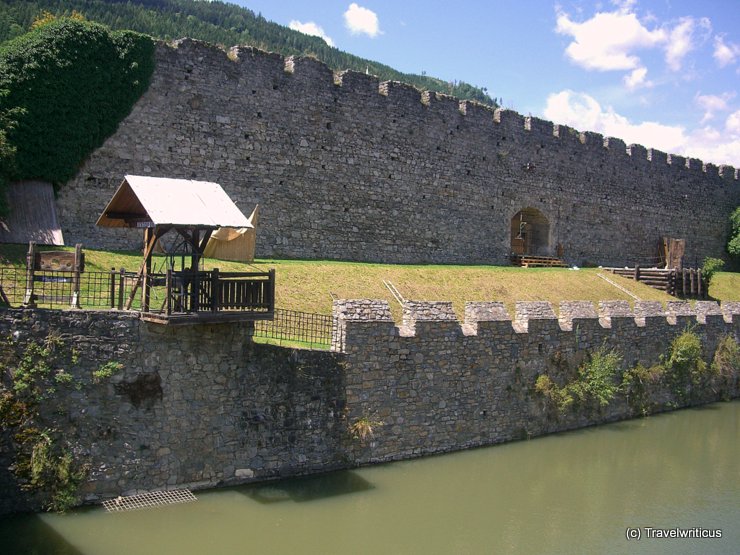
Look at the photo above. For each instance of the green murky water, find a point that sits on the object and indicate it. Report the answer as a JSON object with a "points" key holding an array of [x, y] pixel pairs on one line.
{"points": [[569, 493]]}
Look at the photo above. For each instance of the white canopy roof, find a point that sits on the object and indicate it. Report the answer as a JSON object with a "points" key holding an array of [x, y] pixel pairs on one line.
{"points": [[142, 201]]}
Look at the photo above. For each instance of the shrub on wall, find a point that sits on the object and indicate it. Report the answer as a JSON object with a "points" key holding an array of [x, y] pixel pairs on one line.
{"points": [[726, 365], [710, 267], [594, 385], [68, 84], [35, 379], [733, 246]]}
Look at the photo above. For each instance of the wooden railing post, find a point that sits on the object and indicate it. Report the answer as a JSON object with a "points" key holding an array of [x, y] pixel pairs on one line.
{"points": [[700, 289], [121, 287], [168, 287], [77, 270], [637, 272], [215, 291], [113, 288], [271, 291], [28, 300]]}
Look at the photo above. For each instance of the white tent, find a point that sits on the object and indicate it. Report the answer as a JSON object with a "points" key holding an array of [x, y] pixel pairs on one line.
{"points": [[237, 244]]}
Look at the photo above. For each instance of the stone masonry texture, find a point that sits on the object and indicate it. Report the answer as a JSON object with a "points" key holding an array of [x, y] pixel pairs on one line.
{"points": [[203, 406], [346, 167]]}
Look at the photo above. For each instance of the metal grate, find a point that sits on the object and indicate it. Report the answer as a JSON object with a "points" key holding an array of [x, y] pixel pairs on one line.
{"points": [[300, 327], [147, 500]]}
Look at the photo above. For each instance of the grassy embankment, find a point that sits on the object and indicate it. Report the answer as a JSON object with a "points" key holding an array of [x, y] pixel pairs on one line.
{"points": [[309, 285]]}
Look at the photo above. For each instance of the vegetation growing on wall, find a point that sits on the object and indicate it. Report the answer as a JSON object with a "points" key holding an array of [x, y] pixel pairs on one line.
{"points": [[733, 246], [65, 87], [363, 428], [34, 377], [726, 365], [682, 369], [638, 384], [594, 384]]}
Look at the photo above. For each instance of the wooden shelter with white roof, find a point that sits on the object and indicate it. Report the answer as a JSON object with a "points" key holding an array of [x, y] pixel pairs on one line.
{"points": [[192, 210]]}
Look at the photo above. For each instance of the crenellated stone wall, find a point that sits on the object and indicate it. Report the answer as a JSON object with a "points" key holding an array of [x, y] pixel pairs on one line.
{"points": [[346, 167], [204, 406], [439, 385]]}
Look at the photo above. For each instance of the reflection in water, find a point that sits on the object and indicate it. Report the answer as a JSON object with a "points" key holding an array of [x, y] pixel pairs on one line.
{"points": [[568, 493], [309, 488], [31, 535]]}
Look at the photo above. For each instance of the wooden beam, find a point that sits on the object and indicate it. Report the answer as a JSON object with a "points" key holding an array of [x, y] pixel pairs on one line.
{"points": [[204, 241], [148, 249]]}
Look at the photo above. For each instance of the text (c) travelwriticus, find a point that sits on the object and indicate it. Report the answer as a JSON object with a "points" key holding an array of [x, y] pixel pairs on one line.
{"points": [[648, 532]]}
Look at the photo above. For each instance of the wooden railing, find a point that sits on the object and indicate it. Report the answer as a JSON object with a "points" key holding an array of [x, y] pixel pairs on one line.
{"points": [[216, 292], [687, 282]]}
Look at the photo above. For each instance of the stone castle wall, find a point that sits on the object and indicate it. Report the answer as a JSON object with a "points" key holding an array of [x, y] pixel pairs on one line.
{"points": [[439, 385], [346, 167], [193, 406], [203, 406]]}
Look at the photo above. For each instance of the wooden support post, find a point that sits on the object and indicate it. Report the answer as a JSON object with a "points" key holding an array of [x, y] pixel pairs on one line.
{"points": [[146, 291], [169, 291], [121, 287], [195, 260], [29, 300], [692, 273], [683, 282], [271, 291], [215, 291], [699, 288], [75, 303], [637, 272], [147, 256]]}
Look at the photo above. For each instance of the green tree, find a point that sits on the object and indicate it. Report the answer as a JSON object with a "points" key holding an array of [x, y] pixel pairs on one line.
{"points": [[68, 84]]}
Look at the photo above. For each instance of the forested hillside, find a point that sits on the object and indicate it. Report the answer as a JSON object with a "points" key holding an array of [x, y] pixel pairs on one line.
{"points": [[218, 23]]}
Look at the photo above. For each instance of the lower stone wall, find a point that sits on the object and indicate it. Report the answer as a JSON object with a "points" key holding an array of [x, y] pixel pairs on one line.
{"points": [[434, 384], [193, 406], [203, 406]]}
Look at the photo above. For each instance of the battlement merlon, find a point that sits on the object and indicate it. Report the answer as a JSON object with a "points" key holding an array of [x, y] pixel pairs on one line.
{"points": [[201, 52], [421, 318]]}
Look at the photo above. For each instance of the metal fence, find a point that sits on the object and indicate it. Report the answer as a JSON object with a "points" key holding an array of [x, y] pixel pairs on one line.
{"points": [[56, 289], [297, 328]]}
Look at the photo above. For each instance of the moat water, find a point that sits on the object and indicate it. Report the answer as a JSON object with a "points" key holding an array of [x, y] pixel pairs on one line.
{"points": [[576, 492]]}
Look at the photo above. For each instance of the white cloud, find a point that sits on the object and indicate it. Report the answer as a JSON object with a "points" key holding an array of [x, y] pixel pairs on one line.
{"points": [[636, 79], [712, 103], [725, 54], [606, 41], [611, 40], [360, 20], [583, 112], [681, 40], [311, 28], [732, 125]]}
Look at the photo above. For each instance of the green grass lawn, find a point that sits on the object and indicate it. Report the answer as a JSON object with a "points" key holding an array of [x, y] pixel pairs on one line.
{"points": [[309, 285]]}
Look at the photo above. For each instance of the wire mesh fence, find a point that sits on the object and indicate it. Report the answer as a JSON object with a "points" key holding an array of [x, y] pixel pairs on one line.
{"points": [[297, 328]]}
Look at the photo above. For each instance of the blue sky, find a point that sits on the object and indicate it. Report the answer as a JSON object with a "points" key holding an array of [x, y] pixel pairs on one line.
{"points": [[661, 73]]}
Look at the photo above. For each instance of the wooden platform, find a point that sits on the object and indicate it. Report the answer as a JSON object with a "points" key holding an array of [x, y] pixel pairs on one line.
{"points": [[204, 317], [688, 282], [530, 261]]}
